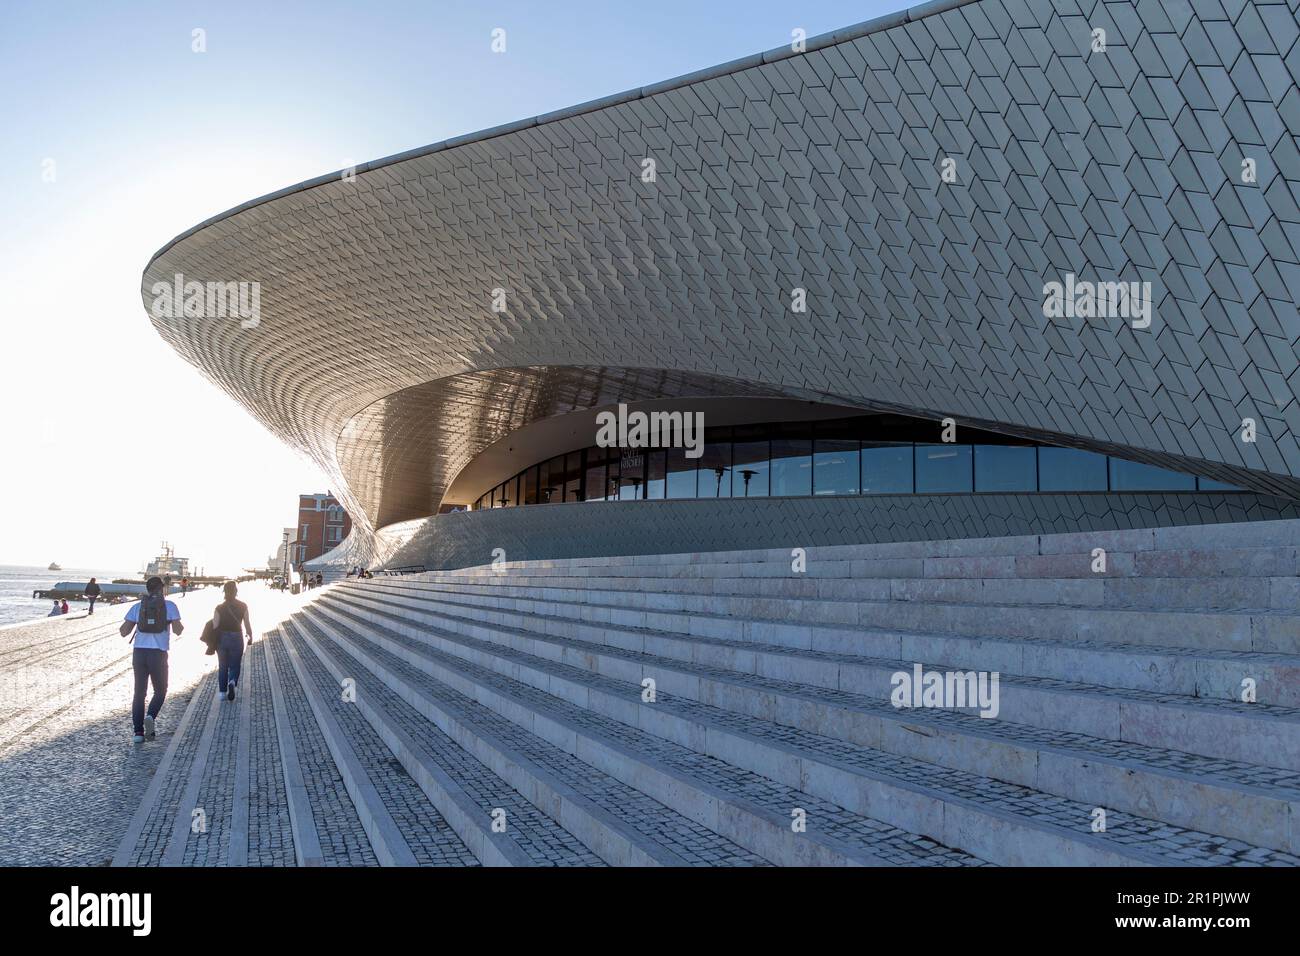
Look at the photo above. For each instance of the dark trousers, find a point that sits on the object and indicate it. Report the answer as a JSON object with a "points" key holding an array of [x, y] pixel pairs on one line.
{"points": [[230, 651], [150, 664], [93, 598]]}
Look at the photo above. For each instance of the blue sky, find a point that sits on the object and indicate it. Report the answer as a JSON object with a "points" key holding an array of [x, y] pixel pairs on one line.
{"points": [[144, 138]]}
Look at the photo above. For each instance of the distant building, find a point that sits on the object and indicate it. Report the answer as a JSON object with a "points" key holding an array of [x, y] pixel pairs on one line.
{"points": [[322, 526], [288, 539]]}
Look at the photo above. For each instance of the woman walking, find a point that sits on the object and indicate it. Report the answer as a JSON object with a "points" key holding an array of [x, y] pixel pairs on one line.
{"points": [[230, 621]]}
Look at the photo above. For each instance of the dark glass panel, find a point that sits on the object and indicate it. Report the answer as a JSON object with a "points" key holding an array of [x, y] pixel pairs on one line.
{"points": [[656, 473], [681, 474], [1006, 468], [835, 466], [1135, 476], [573, 474], [631, 474], [1209, 484], [751, 462], [1071, 469], [886, 469], [943, 469], [715, 464], [530, 485], [792, 460], [597, 473]]}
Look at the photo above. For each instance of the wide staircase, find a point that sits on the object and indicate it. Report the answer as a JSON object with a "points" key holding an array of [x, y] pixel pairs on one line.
{"points": [[734, 708]]}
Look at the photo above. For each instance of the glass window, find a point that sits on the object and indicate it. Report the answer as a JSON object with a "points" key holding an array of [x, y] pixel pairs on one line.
{"points": [[1006, 468], [835, 466], [555, 478], [1209, 484], [530, 485], [573, 473], [597, 472], [611, 474], [715, 464], [631, 474], [751, 463], [681, 474], [656, 473], [943, 469], [792, 460], [1070, 469], [886, 468], [546, 490], [1135, 476]]}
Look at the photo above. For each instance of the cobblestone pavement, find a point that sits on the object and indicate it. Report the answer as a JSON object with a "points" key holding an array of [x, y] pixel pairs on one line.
{"points": [[70, 776], [545, 841]]}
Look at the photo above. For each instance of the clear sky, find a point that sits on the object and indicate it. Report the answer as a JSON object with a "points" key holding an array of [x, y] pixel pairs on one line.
{"points": [[117, 136]]}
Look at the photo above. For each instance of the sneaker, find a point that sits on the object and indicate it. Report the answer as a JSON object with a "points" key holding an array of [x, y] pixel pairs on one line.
{"points": [[138, 739], [150, 728], [230, 691]]}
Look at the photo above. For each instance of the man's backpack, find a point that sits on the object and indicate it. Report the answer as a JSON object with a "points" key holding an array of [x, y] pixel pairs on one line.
{"points": [[153, 614]]}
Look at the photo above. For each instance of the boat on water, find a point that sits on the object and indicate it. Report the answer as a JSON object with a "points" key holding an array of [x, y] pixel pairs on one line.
{"points": [[54, 566], [167, 565]]}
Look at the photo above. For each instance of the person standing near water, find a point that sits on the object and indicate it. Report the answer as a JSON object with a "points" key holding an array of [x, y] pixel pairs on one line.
{"points": [[154, 619], [92, 592], [230, 621]]}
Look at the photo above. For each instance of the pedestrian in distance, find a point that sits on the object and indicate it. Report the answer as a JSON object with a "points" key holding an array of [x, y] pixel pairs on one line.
{"points": [[185, 586], [153, 619], [63, 608], [320, 579], [230, 621], [56, 610], [92, 592]]}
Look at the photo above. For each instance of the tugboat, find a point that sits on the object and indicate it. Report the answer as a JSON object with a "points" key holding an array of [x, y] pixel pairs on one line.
{"points": [[54, 566]]}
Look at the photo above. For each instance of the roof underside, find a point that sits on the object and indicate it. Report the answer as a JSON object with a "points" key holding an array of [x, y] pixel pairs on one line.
{"points": [[379, 353]]}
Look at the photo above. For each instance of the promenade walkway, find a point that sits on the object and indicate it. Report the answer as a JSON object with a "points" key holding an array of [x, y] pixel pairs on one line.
{"points": [[69, 773], [718, 709]]}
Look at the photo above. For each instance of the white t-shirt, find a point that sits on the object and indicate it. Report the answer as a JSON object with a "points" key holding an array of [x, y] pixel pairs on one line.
{"points": [[160, 641]]}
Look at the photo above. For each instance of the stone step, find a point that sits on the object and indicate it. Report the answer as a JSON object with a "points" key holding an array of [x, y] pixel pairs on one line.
{"points": [[1202, 564], [617, 822], [404, 827], [728, 803], [1260, 631], [1249, 535], [268, 834], [1000, 822], [1242, 801], [1173, 671], [162, 816], [463, 790], [730, 595], [327, 828]]}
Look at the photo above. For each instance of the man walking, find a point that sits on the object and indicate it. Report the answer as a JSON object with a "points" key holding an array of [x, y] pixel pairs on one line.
{"points": [[92, 592], [154, 619]]}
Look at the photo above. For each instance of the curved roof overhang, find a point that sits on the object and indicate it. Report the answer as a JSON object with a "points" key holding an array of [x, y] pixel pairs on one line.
{"points": [[381, 353]]}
